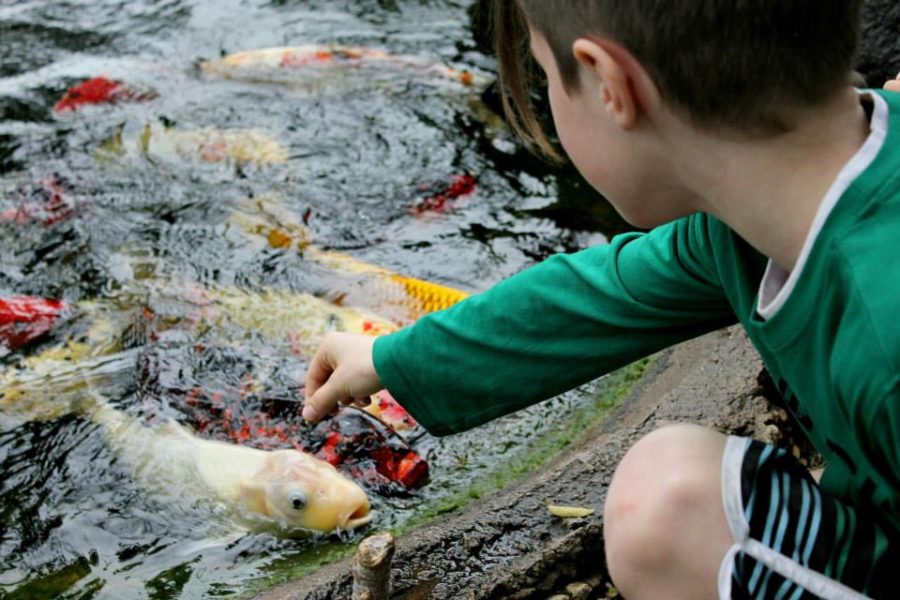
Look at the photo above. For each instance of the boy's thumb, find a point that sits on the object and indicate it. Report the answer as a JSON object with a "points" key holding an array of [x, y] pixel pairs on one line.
{"points": [[319, 404]]}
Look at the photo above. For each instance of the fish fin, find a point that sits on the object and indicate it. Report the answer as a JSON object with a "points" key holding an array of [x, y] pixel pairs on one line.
{"points": [[252, 497], [176, 429]]}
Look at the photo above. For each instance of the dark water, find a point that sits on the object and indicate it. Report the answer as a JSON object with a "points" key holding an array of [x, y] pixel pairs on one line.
{"points": [[361, 147]]}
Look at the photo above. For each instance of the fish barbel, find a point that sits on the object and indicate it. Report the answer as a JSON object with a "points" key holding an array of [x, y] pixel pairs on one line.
{"points": [[255, 64], [284, 492]]}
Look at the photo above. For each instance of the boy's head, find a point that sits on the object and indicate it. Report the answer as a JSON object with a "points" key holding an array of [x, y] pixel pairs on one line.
{"points": [[743, 65]]}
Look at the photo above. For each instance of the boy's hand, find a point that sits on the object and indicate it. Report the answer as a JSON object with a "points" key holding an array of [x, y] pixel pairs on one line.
{"points": [[342, 371], [893, 84]]}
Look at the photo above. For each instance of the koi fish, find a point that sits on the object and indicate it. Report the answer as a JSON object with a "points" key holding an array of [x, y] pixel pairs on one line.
{"points": [[98, 90], [439, 199], [49, 204], [261, 64], [265, 217], [388, 411], [100, 328], [381, 459], [209, 145], [264, 415], [26, 318], [284, 492]]}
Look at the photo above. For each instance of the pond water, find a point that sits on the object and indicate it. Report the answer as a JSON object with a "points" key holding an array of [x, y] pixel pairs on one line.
{"points": [[363, 162]]}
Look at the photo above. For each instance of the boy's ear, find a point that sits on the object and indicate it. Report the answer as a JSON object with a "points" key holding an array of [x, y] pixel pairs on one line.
{"points": [[625, 88]]}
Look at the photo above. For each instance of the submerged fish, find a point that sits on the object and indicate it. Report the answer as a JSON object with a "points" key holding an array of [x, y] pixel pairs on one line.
{"points": [[47, 205], [285, 492], [26, 318], [297, 321], [210, 145], [99, 90], [261, 64], [438, 198], [267, 218]]}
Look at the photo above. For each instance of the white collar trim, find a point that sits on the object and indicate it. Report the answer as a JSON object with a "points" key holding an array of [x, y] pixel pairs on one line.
{"points": [[777, 284]]}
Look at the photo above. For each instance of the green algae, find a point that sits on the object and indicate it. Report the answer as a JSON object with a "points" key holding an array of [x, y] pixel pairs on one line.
{"points": [[613, 389]]}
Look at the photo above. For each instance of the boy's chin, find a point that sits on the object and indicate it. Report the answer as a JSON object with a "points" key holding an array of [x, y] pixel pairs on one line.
{"points": [[645, 221], [648, 219]]}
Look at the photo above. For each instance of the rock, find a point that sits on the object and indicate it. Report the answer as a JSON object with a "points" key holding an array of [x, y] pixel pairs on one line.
{"points": [[578, 590], [879, 57]]}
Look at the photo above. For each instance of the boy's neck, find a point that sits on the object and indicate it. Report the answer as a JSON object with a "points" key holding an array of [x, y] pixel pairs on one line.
{"points": [[769, 190]]}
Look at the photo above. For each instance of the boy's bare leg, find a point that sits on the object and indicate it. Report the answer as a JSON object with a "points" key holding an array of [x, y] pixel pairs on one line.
{"points": [[665, 528]]}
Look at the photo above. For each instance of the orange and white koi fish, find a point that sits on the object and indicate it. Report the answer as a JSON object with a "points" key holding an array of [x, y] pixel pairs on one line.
{"points": [[261, 64], [208, 145]]}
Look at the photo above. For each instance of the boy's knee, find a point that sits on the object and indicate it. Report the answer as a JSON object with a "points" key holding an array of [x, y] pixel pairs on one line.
{"points": [[659, 493], [651, 484]]}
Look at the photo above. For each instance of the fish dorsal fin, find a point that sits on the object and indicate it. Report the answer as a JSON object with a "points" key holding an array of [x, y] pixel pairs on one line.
{"points": [[175, 429]]}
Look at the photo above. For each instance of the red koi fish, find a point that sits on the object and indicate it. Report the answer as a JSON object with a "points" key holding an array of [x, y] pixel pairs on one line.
{"points": [[363, 447], [49, 205], [356, 444], [26, 318], [440, 198], [98, 90]]}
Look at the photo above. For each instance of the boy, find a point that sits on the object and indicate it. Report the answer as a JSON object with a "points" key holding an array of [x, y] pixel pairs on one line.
{"points": [[729, 128]]}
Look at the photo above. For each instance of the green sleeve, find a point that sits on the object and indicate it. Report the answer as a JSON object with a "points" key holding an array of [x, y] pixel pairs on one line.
{"points": [[555, 326]]}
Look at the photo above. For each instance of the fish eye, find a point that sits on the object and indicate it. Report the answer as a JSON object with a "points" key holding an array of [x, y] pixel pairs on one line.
{"points": [[298, 500]]}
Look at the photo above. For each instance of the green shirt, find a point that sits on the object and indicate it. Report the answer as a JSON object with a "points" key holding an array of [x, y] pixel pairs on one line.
{"points": [[830, 335]]}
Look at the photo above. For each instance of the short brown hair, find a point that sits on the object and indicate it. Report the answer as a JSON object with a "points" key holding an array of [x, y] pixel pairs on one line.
{"points": [[741, 64]]}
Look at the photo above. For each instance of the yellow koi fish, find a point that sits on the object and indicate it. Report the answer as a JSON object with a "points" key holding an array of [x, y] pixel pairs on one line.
{"points": [[267, 218]]}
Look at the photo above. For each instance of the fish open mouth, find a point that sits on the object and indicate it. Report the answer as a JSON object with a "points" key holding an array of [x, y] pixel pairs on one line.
{"points": [[361, 516]]}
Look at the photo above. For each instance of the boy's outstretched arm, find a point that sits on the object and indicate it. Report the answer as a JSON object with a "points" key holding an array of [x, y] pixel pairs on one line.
{"points": [[342, 372], [546, 330]]}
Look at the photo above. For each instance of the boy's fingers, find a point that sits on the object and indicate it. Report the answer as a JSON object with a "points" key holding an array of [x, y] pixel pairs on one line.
{"points": [[894, 84], [322, 402]]}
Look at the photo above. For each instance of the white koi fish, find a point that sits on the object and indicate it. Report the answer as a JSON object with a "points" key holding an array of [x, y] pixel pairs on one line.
{"points": [[284, 492]]}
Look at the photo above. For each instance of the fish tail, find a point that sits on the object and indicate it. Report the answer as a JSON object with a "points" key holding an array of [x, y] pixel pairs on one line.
{"points": [[55, 392]]}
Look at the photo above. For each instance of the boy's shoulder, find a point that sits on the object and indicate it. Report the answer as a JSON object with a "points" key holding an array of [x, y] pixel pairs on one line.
{"points": [[866, 240]]}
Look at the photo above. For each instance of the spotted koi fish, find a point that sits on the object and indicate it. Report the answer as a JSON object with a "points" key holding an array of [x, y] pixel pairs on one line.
{"points": [[260, 64], [207, 145]]}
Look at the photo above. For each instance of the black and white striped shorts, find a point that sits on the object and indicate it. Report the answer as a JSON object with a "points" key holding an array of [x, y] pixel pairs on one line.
{"points": [[793, 542]]}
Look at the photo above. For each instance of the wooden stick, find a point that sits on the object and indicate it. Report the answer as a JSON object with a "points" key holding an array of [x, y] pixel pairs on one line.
{"points": [[372, 568]]}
